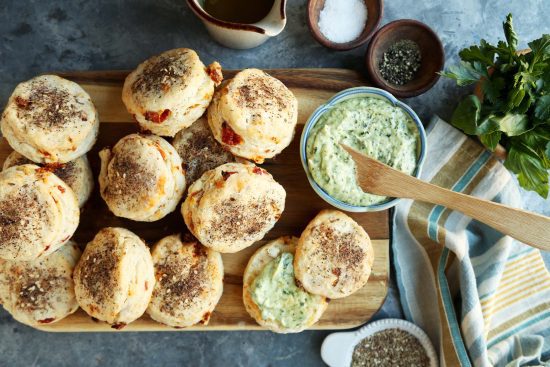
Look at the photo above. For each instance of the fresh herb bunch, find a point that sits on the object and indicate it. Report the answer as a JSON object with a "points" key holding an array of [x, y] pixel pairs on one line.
{"points": [[515, 107]]}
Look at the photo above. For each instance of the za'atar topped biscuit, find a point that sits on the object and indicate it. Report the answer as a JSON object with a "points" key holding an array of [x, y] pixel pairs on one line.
{"points": [[114, 278], [232, 206], [254, 115], [38, 213], [189, 282], [168, 92], [41, 291], [141, 177], [49, 119], [199, 151], [76, 173], [334, 255]]}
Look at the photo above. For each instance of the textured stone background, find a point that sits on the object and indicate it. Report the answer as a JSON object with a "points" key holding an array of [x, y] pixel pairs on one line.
{"points": [[40, 36]]}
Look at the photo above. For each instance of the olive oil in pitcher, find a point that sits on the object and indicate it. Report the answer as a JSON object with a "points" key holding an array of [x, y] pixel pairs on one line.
{"points": [[238, 11]]}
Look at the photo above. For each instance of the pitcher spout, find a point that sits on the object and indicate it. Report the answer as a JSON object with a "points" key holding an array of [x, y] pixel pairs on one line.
{"points": [[275, 21], [242, 35]]}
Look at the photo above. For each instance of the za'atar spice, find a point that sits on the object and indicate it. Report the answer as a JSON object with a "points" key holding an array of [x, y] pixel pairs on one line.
{"points": [[400, 62], [391, 347]]}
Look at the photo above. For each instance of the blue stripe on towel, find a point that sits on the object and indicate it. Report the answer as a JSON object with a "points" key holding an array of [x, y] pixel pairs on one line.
{"points": [[517, 329], [402, 288], [478, 347], [450, 312], [437, 211]]}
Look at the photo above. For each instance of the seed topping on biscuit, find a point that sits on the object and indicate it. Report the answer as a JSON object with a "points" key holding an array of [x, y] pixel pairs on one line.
{"points": [[161, 74], [19, 214], [338, 246], [181, 279], [47, 107], [97, 270]]}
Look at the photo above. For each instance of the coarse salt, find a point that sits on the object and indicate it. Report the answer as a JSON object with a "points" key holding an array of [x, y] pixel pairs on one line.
{"points": [[342, 21]]}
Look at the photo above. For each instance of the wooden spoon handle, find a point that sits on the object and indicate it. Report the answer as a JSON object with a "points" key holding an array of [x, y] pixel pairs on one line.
{"points": [[530, 228]]}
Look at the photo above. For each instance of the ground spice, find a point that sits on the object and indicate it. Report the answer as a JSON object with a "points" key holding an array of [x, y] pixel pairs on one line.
{"points": [[400, 62], [391, 347]]}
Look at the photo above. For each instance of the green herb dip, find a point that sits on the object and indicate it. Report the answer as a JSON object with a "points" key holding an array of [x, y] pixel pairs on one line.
{"points": [[370, 125], [275, 293]]}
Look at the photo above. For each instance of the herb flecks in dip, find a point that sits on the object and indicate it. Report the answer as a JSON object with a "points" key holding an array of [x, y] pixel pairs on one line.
{"points": [[391, 347], [275, 293], [370, 125]]}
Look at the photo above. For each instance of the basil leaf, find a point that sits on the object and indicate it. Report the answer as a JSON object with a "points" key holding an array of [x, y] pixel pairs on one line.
{"points": [[536, 138], [503, 51], [466, 115], [489, 125], [465, 73], [542, 107], [492, 88], [513, 124], [515, 96], [541, 46], [544, 81], [484, 53], [490, 140], [509, 33], [531, 173], [525, 104]]}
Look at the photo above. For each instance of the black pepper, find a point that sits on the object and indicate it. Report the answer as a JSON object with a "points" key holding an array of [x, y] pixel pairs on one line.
{"points": [[400, 62]]}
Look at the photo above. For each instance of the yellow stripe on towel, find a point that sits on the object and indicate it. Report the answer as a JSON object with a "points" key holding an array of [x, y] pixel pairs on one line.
{"points": [[508, 298], [512, 323]]}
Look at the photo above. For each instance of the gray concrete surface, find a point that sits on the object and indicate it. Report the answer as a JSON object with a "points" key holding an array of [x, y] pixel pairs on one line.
{"points": [[39, 36]]}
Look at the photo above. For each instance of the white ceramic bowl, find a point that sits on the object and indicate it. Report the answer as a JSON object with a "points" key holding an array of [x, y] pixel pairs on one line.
{"points": [[337, 348], [340, 97]]}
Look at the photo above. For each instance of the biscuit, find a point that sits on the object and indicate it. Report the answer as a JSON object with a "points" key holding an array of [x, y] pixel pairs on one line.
{"points": [[233, 206], [40, 292], [141, 177], [168, 92], [334, 255], [114, 278], [38, 213], [49, 119], [199, 151], [189, 282], [77, 174], [254, 115], [276, 320]]}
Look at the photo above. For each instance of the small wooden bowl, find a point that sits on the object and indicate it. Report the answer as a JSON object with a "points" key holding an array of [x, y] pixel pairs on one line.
{"points": [[375, 10], [433, 56]]}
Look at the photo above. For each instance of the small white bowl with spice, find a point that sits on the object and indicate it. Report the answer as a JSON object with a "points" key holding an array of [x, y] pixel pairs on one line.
{"points": [[344, 24], [387, 342]]}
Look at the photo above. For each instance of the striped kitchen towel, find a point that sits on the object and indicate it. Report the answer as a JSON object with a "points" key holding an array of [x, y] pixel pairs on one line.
{"points": [[483, 298]]}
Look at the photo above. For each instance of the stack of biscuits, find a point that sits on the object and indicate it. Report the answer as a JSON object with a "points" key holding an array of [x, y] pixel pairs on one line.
{"points": [[51, 123], [209, 163]]}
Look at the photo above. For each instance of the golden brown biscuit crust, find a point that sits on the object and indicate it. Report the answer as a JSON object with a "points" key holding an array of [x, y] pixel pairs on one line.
{"points": [[334, 255], [233, 206], [189, 282]]}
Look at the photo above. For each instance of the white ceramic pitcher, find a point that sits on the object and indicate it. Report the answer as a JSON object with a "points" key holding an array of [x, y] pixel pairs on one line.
{"points": [[242, 36]]}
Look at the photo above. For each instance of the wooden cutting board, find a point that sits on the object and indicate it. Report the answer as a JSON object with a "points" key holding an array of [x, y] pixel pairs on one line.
{"points": [[312, 87]]}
